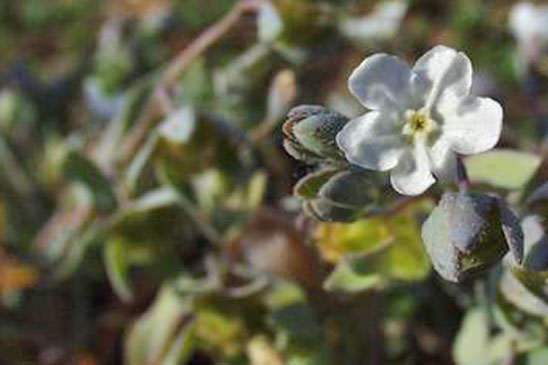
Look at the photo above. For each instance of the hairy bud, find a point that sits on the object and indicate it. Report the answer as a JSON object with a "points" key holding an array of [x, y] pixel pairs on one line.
{"points": [[468, 232], [310, 132]]}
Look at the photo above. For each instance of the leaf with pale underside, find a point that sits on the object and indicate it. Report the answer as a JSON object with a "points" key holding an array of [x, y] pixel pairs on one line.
{"points": [[463, 235], [503, 168]]}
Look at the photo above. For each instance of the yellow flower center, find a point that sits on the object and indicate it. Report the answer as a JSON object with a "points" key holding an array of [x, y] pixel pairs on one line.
{"points": [[418, 124]]}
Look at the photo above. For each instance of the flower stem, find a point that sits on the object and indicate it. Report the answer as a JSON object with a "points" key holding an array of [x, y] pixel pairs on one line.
{"points": [[462, 175], [156, 107]]}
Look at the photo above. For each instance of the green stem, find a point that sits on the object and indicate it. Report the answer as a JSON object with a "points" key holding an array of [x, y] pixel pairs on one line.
{"points": [[462, 175]]}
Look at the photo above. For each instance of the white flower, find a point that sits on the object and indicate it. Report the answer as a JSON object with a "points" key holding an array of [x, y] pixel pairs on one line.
{"points": [[269, 22], [99, 102], [529, 22], [419, 118], [382, 23]]}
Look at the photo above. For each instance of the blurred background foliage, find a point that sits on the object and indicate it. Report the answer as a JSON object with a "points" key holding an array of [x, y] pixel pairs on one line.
{"points": [[147, 213]]}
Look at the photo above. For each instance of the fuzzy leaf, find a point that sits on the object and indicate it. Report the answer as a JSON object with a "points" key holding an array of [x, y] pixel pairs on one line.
{"points": [[327, 211], [351, 188], [463, 235], [310, 185]]}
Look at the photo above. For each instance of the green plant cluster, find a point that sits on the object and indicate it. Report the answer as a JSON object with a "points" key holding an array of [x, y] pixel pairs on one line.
{"points": [[171, 190]]}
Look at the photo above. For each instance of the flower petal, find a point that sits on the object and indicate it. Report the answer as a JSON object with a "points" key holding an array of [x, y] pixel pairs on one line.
{"points": [[443, 160], [441, 70], [372, 141], [412, 175], [380, 82], [472, 124]]}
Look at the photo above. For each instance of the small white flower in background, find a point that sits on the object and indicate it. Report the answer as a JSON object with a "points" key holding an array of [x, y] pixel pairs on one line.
{"points": [[382, 23], [99, 102], [179, 126], [269, 22], [419, 118], [529, 24]]}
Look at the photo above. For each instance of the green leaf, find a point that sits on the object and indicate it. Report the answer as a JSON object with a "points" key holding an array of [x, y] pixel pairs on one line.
{"points": [[256, 189], [153, 338], [351, 189], [345, 278], [210, 186], [139, 162], [525, 286], [513, 232], [537, 357], [78, 167], [336, 240], [298, 321], [327, 211], [154, 199], [182, 347], [117, 266], [135, 100], [151, 219], [463, 235], [384, 252], [196, 84], [534, 281], [80, 245], [535, 244], [65, 228], [298, 152], [340, 195], [310, 185], [406, 259], [503, 168], [220, 331], [473, 339], [476, 344], [515, 293]]}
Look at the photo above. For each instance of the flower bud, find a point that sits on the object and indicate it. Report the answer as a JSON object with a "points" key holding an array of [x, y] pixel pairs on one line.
{"points": [[338, 195], [464, 235], [310, 132]]}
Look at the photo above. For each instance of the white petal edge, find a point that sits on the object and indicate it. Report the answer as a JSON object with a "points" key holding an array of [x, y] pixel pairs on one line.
{"points": [[473, 124], [443, 160], [442, 70], [372, 141], [381, 81], [412, 175]]}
